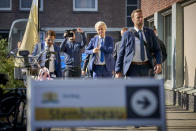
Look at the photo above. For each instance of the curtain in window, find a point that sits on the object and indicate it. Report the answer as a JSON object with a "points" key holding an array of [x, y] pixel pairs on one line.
{"points": [[26, 3], [85, 3], [4, 3], [168, 42]]}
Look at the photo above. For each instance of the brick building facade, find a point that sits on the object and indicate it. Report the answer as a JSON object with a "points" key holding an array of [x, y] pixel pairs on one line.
{"points": [[67, 14], [149, 7], [175, 20]]}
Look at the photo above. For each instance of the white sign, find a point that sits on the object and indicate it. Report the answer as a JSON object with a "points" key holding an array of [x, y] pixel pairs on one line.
{"points": [[76, 103]]}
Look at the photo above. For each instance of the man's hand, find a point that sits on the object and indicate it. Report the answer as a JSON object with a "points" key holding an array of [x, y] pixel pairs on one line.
{"points": [[118, 75], [65, 34], [157, 68], [96, 50], [79, 30], [83, 73]]}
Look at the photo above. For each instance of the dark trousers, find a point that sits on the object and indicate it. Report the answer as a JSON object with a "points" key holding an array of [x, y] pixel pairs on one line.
{"points": [[100, 71], [73, 72], [145, 70]]}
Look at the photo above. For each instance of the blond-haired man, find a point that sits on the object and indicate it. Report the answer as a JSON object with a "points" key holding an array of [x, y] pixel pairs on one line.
{"points": [[135, 59], [101, 47]]}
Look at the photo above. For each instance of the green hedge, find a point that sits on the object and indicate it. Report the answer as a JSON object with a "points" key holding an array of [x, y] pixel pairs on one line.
{"points": [[7, 66]]}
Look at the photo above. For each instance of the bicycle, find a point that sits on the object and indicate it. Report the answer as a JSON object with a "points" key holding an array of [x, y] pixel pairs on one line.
{"points": [[12, 109], [13, 100]]}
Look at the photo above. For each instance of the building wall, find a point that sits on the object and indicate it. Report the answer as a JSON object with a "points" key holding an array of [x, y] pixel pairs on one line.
{"points": [[60, 14], [189, 45], [182, 45], [149, 7], [7, 17]]}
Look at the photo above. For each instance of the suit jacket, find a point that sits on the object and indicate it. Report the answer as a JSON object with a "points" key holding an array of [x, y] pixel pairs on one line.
{"points": [[127, 50], [86, 62], [57, 71], [116, 50], [107, 48]]}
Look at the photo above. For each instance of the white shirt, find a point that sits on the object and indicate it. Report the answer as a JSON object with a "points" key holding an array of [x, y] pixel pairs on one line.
{"points": [[98, 55], [137, 55], [52, 57]]}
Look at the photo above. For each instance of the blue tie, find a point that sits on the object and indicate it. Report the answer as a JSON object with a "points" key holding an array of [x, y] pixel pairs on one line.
{"points": [[102, 54], [142, 45]]}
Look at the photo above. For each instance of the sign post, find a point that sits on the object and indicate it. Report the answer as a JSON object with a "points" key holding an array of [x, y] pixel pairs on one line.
{"points": [[107, 102]]}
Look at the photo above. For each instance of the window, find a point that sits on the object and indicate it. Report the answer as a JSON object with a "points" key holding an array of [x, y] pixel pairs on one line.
{"points": [[167, 22], [5, 4], [26, 5], [85, 5], [150, 22], [130, 6], [59, 37], [132, 2], [42, 36], [4, 34]]}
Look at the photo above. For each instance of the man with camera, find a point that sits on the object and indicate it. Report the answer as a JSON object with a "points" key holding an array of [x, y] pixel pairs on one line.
{"points": [[72, 50], [50, 54]]}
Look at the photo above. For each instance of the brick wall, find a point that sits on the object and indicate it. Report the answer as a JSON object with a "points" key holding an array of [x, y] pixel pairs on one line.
{"points": [[7, 17], [59, 13], [149, 7]]}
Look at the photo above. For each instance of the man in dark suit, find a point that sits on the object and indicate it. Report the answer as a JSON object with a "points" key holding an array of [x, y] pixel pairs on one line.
{"points": [[101, 47], [52, 51], [161, 44], [135, 59], [117, 44]]}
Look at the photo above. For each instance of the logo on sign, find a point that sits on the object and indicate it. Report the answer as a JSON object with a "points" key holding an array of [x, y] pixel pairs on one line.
{"points": [[49, 97]]}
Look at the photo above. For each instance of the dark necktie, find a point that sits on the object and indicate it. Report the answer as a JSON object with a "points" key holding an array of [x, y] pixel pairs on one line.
{"points": [[47, 57], [141, 45], [102, 53]]}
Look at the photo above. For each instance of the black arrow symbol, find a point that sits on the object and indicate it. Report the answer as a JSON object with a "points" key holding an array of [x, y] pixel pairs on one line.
{"points": [[145, 102]]}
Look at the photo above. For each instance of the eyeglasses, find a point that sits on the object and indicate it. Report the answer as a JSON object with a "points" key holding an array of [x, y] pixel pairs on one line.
{"points": [[50, 40]]}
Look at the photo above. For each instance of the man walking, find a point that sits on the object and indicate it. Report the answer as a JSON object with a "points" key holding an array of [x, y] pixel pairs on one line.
{"points": [[101, 49], [50, 59], [135, 59]]}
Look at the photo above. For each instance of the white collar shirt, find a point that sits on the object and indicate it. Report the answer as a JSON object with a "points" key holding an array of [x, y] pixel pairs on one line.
{"points": [[52, 58], [98, 55], [137, 55]]}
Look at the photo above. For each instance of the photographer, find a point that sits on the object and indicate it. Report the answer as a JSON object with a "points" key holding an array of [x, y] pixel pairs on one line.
{"points": [[51, 56], [72, 50]]}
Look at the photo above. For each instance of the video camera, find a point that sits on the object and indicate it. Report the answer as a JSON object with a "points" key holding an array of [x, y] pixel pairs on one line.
{"points": [[69, 33]]}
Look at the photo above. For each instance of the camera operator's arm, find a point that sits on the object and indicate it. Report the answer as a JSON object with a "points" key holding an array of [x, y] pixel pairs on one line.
{"points": [[63, 45], [83, 43]]}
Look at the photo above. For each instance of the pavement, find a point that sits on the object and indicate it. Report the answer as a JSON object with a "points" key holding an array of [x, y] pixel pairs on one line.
{"points": [[177, 119]]}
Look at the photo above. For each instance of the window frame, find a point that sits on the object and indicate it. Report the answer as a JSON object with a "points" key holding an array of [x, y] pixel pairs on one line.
{"points": [[5, 9], [168, 74], [85, 9], [150, 21], [128, 16], [28, 9]]}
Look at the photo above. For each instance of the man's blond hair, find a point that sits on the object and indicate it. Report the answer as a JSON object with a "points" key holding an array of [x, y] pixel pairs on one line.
{"points": [[135, 11], [100, 23]]}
